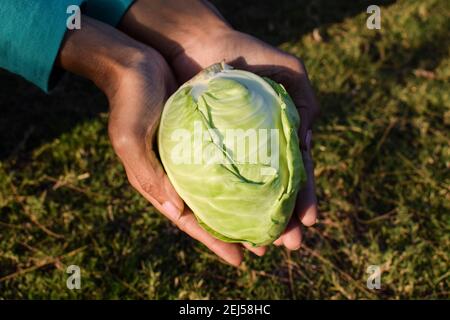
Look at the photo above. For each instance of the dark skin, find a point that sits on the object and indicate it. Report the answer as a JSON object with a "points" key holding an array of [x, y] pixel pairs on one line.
{"points": [[168, 42]]}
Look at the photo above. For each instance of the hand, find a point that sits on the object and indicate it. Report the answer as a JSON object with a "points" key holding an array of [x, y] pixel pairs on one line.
{"points": [[245, 52], [192, 35], [137, 80], [135, 111]]}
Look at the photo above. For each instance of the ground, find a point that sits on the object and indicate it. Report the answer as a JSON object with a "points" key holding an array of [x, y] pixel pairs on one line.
{"points": [[382, 158]]}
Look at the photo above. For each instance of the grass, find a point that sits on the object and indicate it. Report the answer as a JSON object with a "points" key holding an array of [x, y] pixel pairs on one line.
{"points": [[382, 166]]}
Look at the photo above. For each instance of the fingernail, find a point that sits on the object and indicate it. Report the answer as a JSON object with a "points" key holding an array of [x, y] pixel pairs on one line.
{"points": [[308, 139], [171, 210]]}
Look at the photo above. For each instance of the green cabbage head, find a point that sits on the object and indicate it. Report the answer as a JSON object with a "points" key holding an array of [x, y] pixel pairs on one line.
{"points": [[228, 142]]}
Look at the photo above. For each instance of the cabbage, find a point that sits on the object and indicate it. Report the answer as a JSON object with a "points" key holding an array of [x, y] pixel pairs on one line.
{"points": [[228, 142]]}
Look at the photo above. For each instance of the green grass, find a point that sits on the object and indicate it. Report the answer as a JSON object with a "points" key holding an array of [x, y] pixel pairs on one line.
{"points": [[382, 166]]}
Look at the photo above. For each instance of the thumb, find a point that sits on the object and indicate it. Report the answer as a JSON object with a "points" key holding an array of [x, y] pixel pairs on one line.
{"points": [[306, 122], [146, 174], [302, 93], [306, 205]]}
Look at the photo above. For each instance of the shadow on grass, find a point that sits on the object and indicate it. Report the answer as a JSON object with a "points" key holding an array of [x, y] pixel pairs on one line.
{"points": [[278, 21], [30, 118]]}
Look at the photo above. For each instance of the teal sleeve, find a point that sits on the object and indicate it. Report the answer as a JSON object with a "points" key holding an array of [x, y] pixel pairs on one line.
{"points": [[108, 11], [31, 33]]}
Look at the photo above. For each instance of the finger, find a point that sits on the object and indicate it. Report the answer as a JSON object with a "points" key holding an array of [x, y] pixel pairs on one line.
{"points": [[230, 252], [259, 251], [292, 236], [147, 175], [306, 206], [306, 122], [186, 222], [278, 242], [305, 100]]}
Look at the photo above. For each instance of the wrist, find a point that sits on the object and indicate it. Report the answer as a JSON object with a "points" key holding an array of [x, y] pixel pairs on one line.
{"points": [[100, 53], [174, 25]]}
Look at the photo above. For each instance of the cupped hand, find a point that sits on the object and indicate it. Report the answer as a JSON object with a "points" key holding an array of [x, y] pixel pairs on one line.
{"points": [[136, 107], [136, 80], [248, 53], [192, 35]]}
